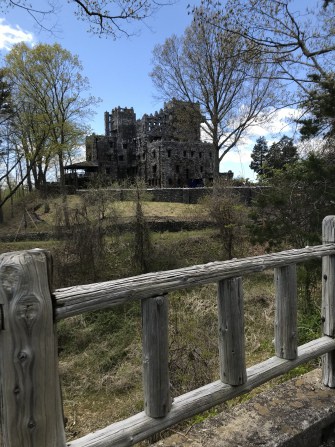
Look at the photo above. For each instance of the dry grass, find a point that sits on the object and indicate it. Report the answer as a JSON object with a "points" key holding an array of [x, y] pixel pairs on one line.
{"points": [[116, 387]]}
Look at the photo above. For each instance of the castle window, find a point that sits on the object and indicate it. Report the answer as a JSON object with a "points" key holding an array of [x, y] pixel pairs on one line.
{"points": [[154, 169], [120, 157], [169, 153], [125, 145], [200, 154], [154, 154], [170, 181], [201, 169], [187, 172], [192, 153], [177, 168], [184, 153]]}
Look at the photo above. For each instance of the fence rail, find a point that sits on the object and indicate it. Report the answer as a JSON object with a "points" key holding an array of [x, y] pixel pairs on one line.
{"points": [[31, 413]]}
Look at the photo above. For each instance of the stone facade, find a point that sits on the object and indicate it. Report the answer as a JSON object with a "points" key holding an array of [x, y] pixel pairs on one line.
{"points": [[163, 149]]}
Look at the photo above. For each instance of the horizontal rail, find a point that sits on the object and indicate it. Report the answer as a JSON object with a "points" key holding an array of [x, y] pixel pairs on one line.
{"points": [[75, 300], [139, 427]]}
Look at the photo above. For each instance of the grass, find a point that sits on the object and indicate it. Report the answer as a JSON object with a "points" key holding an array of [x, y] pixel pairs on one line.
{"points": [[100, 353]]}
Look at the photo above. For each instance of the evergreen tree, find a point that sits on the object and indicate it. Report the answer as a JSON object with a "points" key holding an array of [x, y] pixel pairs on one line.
{"points": [[258, 155], [291, 210], [320, 104], [280, 154]]}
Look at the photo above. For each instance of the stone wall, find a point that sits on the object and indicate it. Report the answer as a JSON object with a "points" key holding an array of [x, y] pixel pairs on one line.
{"points": [[179, 195]]}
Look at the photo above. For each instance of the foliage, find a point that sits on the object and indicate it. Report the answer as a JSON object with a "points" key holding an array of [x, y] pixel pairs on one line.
{"points": [[293, 202], [258, 155], [320, 108], [50, 108], [280, 154]]}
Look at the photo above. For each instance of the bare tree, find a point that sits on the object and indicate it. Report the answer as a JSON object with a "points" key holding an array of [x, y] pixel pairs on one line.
{"points": [[300, 43], [224, 73], [103, 16]]}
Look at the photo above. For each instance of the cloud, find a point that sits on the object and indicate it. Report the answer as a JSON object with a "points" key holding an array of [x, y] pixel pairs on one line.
{"points": [[10, 35], [279, 123]]}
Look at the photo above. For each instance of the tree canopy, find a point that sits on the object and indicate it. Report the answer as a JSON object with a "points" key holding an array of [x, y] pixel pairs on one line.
{"points": [[51, 106], [291, 210]]}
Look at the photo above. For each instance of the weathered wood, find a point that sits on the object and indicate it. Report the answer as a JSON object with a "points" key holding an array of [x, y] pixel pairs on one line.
{"points": [[231, 332], [286, 312], [140, 426], [30, 403], [75, 300], [156, 383], [328, 300]]}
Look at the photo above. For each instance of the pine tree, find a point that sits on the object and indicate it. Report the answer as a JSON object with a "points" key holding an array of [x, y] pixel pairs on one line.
{"points": [[258, 155], [280, 154]]}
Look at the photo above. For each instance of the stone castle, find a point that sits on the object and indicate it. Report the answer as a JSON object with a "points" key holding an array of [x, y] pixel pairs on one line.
{"points": [[164, 149]]}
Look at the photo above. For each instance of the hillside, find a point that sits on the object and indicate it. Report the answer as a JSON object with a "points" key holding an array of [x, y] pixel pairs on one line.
{"points": [[100, 352]]}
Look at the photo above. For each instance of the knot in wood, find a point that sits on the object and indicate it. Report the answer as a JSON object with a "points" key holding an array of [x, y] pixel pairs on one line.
{"points": [[31, 424], [22, 356]]}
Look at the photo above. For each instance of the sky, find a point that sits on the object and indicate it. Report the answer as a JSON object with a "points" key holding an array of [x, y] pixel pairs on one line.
{"points": [[118, 70]]}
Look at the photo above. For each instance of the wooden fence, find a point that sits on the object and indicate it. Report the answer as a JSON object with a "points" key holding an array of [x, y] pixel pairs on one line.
{"points": [[31, 412]]}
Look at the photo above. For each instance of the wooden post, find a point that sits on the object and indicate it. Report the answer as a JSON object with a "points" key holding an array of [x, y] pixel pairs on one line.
{"points": [[231, 332], [286, 312], [31, 411], [328, 300], [157, 399]]}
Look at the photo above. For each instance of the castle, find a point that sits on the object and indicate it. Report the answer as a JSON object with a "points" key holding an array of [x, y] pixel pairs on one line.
{"points": [[164, 149]]}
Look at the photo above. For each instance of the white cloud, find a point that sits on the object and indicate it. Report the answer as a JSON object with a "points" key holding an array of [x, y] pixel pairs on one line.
{"points": [[279, 123], [10, 35]]}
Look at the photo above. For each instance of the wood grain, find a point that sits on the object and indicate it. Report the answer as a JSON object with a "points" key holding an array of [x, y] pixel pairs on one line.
{"points": [[328, 300], [156, 383], [231, 332], [31, 407], [139, 427], [285, 279], [76, 300]]}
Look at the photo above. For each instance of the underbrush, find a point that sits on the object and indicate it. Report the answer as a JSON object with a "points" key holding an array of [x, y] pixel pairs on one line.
{"points": [[101, 360], [100, 352]]}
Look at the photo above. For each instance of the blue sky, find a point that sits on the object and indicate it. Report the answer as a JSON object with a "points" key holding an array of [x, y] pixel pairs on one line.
{"points": [[118, 70]]}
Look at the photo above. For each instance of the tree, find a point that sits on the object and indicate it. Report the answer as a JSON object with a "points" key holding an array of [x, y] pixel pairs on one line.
{"points": [[280, 154], [300, 43], [319, 105], [225, 207], [104, 17], [48, 89], [291, 209], [219, 71], [258, 155]]}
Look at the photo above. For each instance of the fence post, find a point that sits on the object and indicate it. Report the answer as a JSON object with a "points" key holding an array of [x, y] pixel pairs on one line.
{"points": [[30, 401], [156, 382], [231, 332], [286, 312], [328, 300]]}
